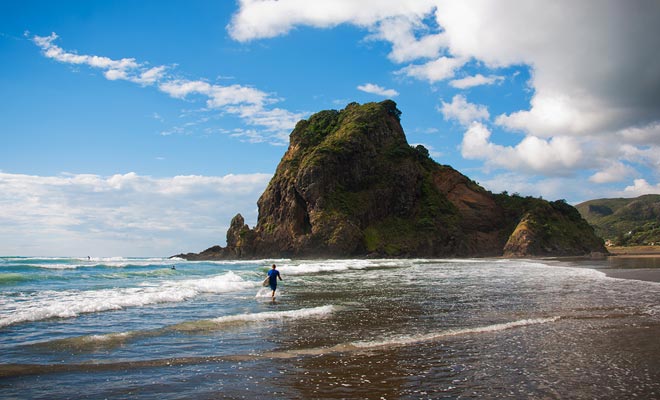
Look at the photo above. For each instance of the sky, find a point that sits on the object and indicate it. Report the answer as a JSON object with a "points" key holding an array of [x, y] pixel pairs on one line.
{"points": [[141, 128]]}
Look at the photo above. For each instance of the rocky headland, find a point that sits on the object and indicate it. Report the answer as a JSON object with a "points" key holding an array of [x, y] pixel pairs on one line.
{"points": [[350, 185]]}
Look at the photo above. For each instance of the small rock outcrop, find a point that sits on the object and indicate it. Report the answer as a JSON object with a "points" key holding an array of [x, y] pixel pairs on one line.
{"points": [[350, 185]]}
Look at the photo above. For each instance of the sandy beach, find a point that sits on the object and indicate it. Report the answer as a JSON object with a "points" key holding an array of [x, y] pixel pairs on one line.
{"points": [[638, 262], [641, 274]]}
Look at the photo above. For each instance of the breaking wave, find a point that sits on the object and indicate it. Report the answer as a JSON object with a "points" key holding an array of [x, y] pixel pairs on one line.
{"points": [[43, 305]]}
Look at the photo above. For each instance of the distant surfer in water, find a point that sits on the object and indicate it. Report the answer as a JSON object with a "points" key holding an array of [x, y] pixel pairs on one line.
{"points": [[273, 274]]}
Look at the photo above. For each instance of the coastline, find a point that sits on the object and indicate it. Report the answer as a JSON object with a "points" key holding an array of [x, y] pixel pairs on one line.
{"points": [[646, 258], [648, 275], [448, 328], [638, 263]]}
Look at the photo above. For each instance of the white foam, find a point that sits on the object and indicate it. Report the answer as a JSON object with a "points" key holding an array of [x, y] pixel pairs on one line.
{"points": [[107, 337], [265, 292], [56, 266], [112, 338], [71, 303], [276, 315], [321, 266], [407, 340], [73, 263]]}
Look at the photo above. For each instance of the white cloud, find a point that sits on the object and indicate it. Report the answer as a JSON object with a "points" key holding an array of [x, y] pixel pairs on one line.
{"points": [[460, 110], [587, 77], [476, 80], [552, 188], [181, 88], [642, 135], [590, 82], [434, 71], [278, 122], [258, 19], [221, 96], [125, 68], [615, 172], [375, 89], [648, 156], [123, 214], [555, 157], [248, 103], [640, 187], [152, 75], [400, 32]]}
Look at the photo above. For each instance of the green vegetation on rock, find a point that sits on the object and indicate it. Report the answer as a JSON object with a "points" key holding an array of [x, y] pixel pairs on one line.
{"points": [[625, 222], [351, 185]]}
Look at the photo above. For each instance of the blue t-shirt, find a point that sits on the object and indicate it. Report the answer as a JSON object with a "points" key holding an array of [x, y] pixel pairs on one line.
{"points": [[272, 275]]}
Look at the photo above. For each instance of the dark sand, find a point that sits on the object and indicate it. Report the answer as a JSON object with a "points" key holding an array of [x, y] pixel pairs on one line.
{"points": [[644, 267], [641, 267], [650, 275]]}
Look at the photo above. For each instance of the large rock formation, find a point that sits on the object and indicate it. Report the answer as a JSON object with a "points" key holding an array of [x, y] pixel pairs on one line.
{"points": [[350, 185]]}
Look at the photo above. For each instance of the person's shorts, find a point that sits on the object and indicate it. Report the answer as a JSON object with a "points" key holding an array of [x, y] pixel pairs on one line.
{"points": [[273, 285]]}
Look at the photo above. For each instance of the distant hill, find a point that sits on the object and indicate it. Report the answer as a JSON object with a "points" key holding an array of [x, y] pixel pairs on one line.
{"points": [[625, 222], [351, 185]]}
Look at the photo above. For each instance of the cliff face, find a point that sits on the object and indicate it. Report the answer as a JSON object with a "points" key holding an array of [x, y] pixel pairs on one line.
{"points": [[350, 185]]}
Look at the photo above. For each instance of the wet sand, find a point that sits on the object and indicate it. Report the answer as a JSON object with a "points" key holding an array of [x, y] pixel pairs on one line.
{"points": [[637, 266], [642, 267], [647, 274]]}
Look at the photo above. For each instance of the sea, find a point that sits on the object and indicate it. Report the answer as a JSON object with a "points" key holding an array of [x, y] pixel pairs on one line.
{"points": [[159, 328]]}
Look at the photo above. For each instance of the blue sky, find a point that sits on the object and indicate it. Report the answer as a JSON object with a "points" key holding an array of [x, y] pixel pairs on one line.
{"points": [[140, 128]]}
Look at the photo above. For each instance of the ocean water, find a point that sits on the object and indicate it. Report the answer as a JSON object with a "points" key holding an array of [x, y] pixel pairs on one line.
{"points": [[375, 329]]}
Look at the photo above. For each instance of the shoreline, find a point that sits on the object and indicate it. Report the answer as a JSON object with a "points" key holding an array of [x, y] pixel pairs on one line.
{"points": [[647, 275], [634, 265]]}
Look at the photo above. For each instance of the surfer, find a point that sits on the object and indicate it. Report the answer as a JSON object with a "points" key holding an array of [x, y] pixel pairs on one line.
{"points": [[273, 274]]}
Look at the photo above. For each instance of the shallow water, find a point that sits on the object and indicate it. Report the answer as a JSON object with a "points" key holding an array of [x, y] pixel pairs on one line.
{"points": [[135, 328]]}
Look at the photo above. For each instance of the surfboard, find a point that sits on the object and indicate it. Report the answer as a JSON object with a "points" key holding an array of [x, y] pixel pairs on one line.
{"points": [[266, 282]]}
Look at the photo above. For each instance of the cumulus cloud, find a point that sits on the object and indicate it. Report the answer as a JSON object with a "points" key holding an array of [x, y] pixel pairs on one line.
{"points": [[591, 84], [549, 188], [128, 213], [615, 172], [641, 187], [476, 80], [434, 71], [643, 135], [407, 45], [249, 103], [555, 157], [375, 89], [257, 19], [460, 110], [588, 78]]}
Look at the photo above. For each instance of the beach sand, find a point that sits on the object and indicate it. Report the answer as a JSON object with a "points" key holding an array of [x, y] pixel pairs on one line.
{"points": [[621, 264], [639, 265], [644, 274]]}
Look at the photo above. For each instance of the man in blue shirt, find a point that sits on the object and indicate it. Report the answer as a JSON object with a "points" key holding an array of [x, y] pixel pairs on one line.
{"points": [[273, 274]]}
